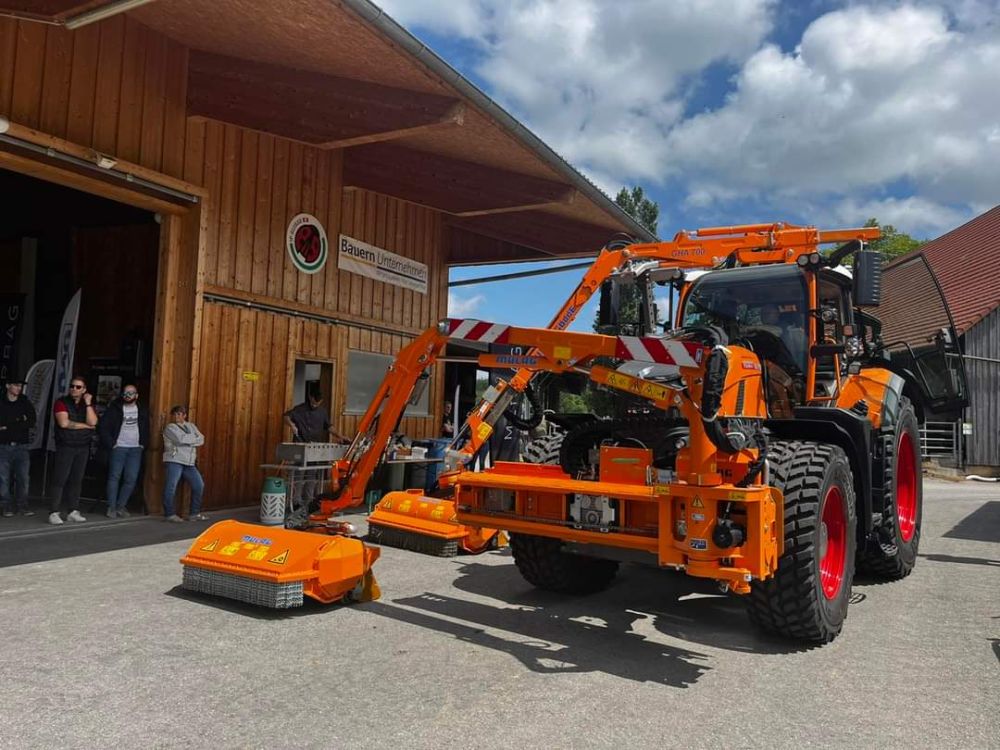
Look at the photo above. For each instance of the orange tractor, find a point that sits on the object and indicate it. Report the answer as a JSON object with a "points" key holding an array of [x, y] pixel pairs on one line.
{"points": [[769, 443]]}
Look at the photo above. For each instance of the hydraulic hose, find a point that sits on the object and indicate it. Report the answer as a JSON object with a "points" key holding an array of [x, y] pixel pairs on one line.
{"points": [[531, 422]]}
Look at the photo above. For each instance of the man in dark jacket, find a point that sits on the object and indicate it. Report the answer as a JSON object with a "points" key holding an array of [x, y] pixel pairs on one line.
{"points": [[17, 419], [124, 433]]}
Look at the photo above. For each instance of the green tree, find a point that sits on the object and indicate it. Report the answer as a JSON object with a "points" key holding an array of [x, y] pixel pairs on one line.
{"points": [[639, 207], [892, 243]]}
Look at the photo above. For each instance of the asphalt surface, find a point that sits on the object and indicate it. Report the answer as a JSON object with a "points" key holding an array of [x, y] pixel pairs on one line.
{"points": [[101, 648]]}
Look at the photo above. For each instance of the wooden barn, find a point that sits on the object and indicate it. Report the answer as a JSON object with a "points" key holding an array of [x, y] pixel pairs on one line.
{"points": [[218, 181]]}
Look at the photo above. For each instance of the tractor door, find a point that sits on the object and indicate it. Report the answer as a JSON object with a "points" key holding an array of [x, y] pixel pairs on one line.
{"points": [[919, 336]]}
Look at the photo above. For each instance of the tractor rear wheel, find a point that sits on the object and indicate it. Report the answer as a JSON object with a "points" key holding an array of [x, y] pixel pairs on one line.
{"points": [[544, 449], [543, 563], [807, 597], [894, 552]]}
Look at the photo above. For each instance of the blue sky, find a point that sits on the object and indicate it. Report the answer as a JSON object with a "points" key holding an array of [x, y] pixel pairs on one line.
{"points": [[732, 111]]}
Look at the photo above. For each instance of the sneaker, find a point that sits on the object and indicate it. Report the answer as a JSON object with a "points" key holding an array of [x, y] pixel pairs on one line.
{"points": [[122, 513], [55, 519], [111, 513], [8, 514], [174, 519], [27, 513], [198, 517], [76, 516]]}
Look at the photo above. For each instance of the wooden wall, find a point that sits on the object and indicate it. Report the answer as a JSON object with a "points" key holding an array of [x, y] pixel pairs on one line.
{"points": [[121, 89], [115, 86]]}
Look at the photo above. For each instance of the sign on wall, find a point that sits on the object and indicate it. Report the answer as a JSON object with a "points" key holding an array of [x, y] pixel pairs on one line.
{"points": [[367, 260], [11, 318], [306, 243]]}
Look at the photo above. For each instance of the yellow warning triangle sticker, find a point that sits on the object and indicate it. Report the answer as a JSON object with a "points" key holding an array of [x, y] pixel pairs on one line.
{"points": [[697, 503], [210, 547], [280, 559]]}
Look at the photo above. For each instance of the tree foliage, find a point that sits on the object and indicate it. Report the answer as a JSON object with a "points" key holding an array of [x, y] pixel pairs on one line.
{"points": [[892, 243], [639, 207]]}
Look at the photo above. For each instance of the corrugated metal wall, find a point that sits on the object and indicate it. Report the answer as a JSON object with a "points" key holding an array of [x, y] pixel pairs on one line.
{"points": [[983, 340]]}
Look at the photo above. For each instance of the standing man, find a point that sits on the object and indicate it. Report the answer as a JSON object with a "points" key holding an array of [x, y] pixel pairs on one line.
{"points": [[447, 422], [310, 423], [75, 422], [17, 419], [124, 432]]}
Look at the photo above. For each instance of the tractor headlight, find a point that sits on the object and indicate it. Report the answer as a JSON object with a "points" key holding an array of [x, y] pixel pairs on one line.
{"points": [[853, 347]]}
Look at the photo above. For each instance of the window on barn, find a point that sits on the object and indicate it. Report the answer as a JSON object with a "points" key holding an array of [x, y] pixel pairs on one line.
{"points": [[365, 373]]}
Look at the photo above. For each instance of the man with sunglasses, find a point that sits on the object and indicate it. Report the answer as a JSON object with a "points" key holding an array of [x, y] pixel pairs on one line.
{"points": [[76, 420], [124, 433]]}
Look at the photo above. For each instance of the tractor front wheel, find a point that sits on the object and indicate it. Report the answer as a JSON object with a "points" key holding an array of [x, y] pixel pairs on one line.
{"points": [[807, 597]]}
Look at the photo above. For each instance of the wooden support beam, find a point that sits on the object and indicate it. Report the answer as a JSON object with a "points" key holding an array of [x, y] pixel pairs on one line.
{"points": [[550, 235], [312, 108], [451, 185]]}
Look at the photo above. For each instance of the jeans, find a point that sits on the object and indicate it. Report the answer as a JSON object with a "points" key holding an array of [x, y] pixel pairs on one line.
{"points": [[15, 460], [123, 471], [192, 476], [67, 476]]}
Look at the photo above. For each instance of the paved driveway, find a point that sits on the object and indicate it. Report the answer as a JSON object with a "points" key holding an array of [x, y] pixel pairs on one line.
{"points": [[101, 649]]}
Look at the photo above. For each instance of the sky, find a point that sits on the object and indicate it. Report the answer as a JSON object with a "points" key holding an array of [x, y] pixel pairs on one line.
{"points": [[737, 111]]}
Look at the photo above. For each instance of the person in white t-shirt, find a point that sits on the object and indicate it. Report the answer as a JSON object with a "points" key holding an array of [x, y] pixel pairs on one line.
{"points": [[124, 433]]}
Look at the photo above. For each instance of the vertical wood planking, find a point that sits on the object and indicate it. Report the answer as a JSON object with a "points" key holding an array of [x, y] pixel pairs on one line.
{"points": [[108, 86], [131, 96], [8, 55], [153, 101], [55, 84], [262, 215], [83, 84], [242, 252], [321, 203], [228, 204], [278, 254], [29, 67], [175, 109], [290, 273], [345, 279], [335, 206]]}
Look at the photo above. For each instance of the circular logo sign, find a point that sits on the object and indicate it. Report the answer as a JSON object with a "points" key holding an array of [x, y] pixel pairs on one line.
{"points": [[306, 242]]}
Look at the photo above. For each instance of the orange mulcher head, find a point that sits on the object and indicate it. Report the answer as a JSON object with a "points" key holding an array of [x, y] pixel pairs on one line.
{"points": [[410, 520], [276, 567]]}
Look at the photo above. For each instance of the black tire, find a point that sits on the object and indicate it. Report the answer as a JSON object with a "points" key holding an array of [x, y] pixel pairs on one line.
{"points": [[543, 564], [893, 553], [544, 450], [799, 601]]}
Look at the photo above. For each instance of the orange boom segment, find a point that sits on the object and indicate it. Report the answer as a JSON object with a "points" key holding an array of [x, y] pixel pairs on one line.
{"points": [[276, 568]]}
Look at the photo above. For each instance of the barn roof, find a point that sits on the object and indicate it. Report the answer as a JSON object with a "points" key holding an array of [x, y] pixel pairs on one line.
{"points": [[966, 262]]}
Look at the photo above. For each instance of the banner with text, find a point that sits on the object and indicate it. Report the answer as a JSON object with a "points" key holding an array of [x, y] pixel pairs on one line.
{"points": [[11, 317], [374, 262]]}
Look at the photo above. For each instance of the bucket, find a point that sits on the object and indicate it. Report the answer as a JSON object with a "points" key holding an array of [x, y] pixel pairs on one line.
{"points": [[272, 502]]}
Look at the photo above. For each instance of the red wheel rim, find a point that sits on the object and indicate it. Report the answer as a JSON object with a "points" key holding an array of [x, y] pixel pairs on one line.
{"points": [[833, 543], [906, 487]]}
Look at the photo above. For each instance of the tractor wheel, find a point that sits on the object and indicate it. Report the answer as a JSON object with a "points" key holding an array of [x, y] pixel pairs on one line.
{"points": [[544, 450], [894, 553], [807, 597], [543, 564]]}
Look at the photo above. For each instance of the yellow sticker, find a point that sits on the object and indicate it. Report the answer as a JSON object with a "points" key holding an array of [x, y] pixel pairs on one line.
{"points": [[438, 512], [210, 547], [231, 549], [258, 554], [279, 559], [404, 507], [736, 496], [661, 489], [483, 431], [562, 352], [697, 503], [251, 376]]}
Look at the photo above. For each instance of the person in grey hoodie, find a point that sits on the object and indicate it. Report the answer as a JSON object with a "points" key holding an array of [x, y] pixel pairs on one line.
{"points": [[180, 452]]}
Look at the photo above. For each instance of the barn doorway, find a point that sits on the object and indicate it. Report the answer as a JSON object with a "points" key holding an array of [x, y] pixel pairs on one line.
{"points": [[56, 242]]}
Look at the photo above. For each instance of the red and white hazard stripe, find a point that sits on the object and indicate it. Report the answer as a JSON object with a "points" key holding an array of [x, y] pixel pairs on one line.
{"points": [[664, 351], [477, 330]]}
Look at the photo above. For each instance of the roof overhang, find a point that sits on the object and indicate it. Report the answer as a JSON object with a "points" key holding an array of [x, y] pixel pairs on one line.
{"points": [[340, 74]]}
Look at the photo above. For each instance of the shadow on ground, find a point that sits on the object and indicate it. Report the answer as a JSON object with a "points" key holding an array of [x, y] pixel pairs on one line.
{"points": [[982, 525], [625, 630], [45, 542], [961, 560]]}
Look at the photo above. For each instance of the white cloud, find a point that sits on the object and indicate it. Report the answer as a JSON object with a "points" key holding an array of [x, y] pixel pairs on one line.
{"points": [[871, 97], [459, 307], [884, 106]]}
